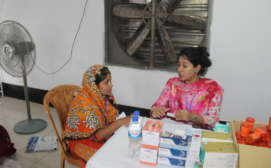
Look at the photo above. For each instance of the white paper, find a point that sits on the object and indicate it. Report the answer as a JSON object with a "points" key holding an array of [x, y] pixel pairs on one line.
{"points": [[122, 115], [40, 144], [171, 115], [171, 125], [189, 163], [180, 132]]}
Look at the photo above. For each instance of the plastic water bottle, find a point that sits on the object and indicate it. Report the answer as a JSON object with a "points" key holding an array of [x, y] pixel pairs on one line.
{"points": [[134, 134], [137, 113]]}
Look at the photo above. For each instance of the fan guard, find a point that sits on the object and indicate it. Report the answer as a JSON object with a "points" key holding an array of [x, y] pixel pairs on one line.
{"points": [[182, 25], [17, 58], [16, 49]]}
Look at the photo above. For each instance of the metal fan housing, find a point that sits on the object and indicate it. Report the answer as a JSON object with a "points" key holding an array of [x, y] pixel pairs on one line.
{"points": [[183, 25]]}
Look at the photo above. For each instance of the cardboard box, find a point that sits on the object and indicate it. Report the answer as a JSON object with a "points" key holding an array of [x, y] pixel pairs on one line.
{"points": [[151, 133], [209, 136], [218, 155], [250, 156]]}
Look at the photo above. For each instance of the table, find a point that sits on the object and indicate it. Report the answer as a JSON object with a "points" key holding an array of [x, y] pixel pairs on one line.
{"points": [[113, 154]]}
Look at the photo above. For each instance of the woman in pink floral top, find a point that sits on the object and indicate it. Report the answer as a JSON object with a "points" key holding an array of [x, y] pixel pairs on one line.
{"points": [[190, 98]]}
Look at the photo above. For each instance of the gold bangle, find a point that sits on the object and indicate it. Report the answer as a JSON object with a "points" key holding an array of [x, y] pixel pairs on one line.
{"points": [[151, 114]]}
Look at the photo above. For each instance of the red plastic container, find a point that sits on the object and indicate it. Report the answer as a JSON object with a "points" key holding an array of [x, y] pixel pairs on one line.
{"points": [[262, 144], [242, 141], [250, 120], [263, 128], [237, 132], [238, 136], [254, 144], [260, 130], [245, 128], [265, 136], [252, 138]]}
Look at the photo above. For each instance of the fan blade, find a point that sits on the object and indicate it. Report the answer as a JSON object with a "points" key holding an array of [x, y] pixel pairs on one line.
{"points": [[134, 1], [165, 43], [132, 11], [149, 1], [170, 5], [187, 21], [138, 38]]}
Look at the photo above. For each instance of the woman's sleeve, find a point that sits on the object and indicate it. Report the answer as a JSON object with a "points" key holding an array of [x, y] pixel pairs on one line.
{"points": [[163, 99], [213, 112]]}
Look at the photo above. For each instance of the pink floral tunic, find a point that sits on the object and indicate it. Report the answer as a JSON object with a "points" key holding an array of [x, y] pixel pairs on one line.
{"points": [[202, 98]]}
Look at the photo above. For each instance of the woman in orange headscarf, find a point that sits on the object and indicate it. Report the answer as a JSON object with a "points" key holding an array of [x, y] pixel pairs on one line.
{"points": [[92, 114]]}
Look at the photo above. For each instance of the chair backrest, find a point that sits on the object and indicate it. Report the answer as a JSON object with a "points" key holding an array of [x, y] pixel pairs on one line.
{"points": [[60, 97]]}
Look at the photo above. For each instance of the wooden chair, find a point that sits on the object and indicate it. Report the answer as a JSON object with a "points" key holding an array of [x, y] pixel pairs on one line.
{"points": [[61, 97]]}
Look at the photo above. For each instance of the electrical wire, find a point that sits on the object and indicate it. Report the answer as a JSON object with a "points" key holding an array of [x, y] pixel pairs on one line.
{"points": [[72, 44]]}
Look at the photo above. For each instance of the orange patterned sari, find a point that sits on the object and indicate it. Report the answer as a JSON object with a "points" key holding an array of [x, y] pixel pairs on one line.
{"points": [[89, 112]]}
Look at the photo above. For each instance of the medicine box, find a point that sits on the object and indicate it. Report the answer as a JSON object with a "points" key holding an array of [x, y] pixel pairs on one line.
{"points": [[151, 133], [194, 149], [173, 143], [218, 154], [172, 153], [210, 136], [190, 132], [148, 156], [166, 161], [250, 156]]}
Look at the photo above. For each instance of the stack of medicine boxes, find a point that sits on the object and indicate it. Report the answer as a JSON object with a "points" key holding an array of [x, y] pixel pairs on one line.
{"points": [[151, 135], [172, 152], [217, 150]]}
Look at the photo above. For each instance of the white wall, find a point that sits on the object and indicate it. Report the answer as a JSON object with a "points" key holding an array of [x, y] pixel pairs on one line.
{"points": [[240, 50]]}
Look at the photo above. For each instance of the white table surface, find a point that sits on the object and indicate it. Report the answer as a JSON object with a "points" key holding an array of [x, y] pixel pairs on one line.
{"points": [[114, 153]]}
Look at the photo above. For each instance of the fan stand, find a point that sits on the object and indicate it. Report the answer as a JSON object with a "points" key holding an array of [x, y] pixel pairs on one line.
{"points": [[30, 125]]}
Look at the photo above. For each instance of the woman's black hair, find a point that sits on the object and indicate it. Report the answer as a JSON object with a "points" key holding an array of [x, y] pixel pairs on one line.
{"points": [[100, 77], [197, 56]]}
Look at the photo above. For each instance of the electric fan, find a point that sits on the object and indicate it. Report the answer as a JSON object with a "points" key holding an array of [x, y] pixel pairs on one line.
{"points": [[179, 24], [17, 58]]}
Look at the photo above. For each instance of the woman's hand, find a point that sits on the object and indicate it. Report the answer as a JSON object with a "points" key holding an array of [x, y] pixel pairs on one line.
{"points": [[125, 121], [110, 129], [182, 115], [159, 111]]}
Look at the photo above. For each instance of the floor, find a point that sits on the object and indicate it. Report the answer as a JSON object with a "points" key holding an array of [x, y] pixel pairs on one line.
{"points": [[14, 110]]}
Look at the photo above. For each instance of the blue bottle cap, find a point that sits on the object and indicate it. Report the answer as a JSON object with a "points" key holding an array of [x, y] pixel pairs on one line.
{"points": [[135, 118], [137, 113]]}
